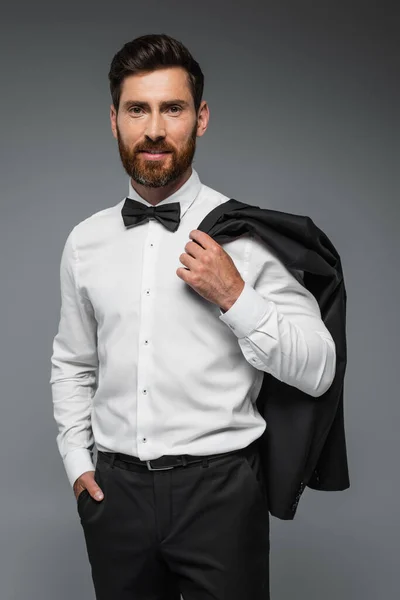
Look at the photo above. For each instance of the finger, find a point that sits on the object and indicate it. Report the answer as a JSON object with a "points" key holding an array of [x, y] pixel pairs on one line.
{"points": [[194, 249], [181, 272], [187, 260], [95, 492], [203, 239]]}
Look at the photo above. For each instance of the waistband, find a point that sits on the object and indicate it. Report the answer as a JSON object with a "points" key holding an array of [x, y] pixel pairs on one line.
{"points": [[170, 461]]}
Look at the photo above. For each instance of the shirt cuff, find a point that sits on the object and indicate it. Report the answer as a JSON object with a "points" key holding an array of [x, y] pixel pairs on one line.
{"points": [[246, 312], [76, 462]]}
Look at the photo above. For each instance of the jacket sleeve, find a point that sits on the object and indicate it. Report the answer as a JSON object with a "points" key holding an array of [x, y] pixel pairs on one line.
{"points": [[278, 325], [73, 369]]}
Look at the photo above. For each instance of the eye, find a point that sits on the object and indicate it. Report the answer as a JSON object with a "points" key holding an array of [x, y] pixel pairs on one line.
{"points": [[134, 108]]}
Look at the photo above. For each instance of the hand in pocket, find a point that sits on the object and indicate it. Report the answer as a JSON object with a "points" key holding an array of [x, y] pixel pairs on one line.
{"points": [[86, 481]]}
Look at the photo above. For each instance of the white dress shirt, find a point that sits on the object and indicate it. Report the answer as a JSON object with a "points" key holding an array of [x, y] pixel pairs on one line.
{"points": [[144, 365]]}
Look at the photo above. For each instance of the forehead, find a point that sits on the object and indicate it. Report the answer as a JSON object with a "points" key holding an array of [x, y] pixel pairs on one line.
{"points": [[156, 85]]}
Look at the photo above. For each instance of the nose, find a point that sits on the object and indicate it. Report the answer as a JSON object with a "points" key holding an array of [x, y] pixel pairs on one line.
{"points": [[155, 129]]}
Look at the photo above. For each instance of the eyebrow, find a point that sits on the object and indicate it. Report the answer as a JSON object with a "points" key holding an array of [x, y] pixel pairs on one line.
{"points": [[164, 104]]}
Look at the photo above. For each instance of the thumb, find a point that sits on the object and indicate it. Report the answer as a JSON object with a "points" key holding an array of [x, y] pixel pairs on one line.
{"points": [[95, 491]]}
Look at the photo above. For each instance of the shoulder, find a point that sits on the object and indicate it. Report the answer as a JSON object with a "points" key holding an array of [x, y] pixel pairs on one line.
{"points": [[98, 226]]}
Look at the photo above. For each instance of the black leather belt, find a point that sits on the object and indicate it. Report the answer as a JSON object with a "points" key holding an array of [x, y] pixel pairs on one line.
{"points": [[170, 461]]}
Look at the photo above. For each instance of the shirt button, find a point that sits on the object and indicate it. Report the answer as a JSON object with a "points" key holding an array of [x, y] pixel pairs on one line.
{"points": [[144, 391], [144, 440], [146, 342]]}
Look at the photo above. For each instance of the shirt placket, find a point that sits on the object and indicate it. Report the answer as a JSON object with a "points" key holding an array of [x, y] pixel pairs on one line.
{"points": [[145, 367]]}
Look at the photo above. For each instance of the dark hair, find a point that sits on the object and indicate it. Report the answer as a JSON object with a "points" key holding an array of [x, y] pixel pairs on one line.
{"points": [[149, 53]]}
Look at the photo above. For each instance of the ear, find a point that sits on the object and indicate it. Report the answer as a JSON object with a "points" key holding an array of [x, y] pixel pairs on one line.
{"points": [[203, 118], [113, 120]]}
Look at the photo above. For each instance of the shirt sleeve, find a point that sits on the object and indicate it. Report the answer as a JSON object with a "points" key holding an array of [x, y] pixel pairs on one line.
{"points": [[279, 327], [74, 364]]}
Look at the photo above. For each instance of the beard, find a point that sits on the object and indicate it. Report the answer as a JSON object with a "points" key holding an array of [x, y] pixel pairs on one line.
{"points": [[157, 173]]}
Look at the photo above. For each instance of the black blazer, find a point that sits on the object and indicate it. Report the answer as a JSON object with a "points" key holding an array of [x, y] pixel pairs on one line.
{"points": [[304, 442]]}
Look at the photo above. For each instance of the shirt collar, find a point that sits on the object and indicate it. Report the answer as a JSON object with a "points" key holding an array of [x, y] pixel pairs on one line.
{"points": [[186, 194]]}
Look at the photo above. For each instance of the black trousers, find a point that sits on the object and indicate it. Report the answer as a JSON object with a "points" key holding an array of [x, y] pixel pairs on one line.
{"points": [[200, 530]]}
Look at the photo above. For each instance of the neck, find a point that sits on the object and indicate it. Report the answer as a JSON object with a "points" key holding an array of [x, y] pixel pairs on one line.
{"points": [[155, 195]]}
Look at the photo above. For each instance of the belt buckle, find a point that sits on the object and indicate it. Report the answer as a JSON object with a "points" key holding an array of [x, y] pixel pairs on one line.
{"points": [[150, 468]]}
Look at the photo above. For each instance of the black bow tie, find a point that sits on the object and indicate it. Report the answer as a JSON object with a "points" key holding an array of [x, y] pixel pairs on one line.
{"points": [[134, 212]]}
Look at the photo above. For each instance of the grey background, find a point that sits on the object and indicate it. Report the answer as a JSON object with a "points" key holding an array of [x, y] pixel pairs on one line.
{"points": [[304, 103]]}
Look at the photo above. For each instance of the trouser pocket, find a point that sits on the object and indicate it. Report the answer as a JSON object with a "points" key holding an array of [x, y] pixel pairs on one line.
{"points": [[253, 466], [87, 506]]}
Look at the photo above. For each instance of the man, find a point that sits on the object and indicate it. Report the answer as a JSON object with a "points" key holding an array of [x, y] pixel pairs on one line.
{"points": [[163, 341]]}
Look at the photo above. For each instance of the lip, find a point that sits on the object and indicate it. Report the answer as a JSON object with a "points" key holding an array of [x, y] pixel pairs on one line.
{"points": [[150, 156]]}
